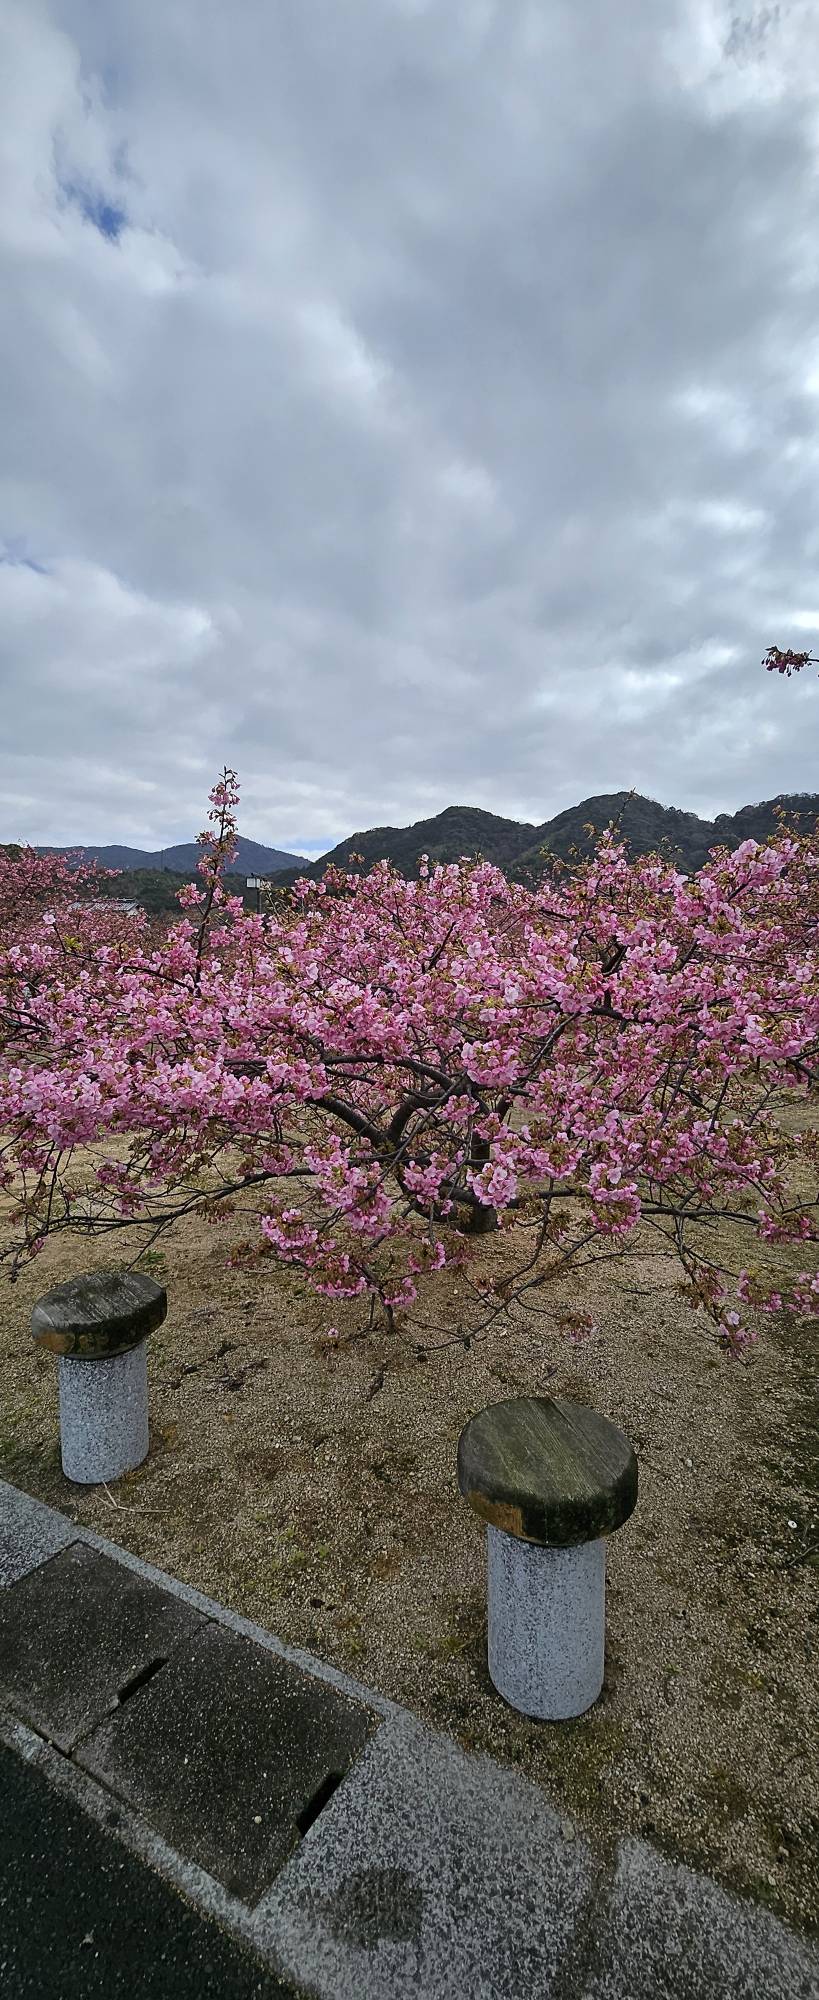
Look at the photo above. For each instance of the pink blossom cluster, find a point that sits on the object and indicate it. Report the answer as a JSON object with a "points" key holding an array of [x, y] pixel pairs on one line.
{"points": [[391, 1067], [787, 662]]}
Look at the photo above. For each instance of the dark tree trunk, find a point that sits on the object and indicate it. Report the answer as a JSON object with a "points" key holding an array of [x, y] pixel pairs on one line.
{"points": [[481, 1221]]}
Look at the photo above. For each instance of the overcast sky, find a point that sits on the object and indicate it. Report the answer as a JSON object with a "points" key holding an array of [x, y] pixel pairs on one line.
{"points": [[407, 402]]}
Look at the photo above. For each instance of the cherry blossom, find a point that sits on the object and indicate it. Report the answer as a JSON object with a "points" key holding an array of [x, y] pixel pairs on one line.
{"points": [[385, 1070]]}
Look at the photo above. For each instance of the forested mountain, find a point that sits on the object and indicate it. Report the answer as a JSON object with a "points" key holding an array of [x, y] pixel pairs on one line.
{"points": [[518, 847], [455, 831], [801, 809], [645, 826], [252, 857]]}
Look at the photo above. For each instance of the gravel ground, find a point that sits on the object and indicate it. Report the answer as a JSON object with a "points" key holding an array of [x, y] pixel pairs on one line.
{"points": [[313, 1488]]}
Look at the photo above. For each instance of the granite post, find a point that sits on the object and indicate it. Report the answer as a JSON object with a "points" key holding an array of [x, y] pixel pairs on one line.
{"points": [[552, 1480], [98, 1325]]}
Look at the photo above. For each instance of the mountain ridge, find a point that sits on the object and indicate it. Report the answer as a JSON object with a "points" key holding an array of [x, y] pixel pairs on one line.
{"points": [[455, 831], [514, 845], [252, 857], [518, 846]]}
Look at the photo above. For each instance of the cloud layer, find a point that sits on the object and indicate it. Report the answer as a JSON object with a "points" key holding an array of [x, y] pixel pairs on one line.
{"points": [[407, 404]]}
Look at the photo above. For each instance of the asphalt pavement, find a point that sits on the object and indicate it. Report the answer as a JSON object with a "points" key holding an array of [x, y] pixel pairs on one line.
{"points": [[83, 1919]]}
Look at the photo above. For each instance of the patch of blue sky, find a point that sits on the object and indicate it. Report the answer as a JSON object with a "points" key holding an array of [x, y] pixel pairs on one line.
{"points": [[109, 217]]}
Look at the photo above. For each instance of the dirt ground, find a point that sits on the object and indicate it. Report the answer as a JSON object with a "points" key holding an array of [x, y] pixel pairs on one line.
{"points": [[313, 1488]]}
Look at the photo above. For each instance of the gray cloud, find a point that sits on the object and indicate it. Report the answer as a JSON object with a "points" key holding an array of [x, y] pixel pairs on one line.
{"points": [[407, 404]]}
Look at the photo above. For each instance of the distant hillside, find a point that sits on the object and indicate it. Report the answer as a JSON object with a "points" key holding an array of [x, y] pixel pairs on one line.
{"points": [[252, 857], [517, 847], [157, 889], [514, 845], [646, 826], [153, 889], [650, 828], [455, 831], [759, 822]]}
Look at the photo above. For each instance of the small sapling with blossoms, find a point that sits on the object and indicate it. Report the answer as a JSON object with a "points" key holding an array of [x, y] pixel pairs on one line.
{"points": [[386, 1069]]}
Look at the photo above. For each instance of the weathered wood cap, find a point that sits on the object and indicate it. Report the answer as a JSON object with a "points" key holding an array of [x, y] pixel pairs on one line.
{"points": [[102, 1313], [548, 1471]]}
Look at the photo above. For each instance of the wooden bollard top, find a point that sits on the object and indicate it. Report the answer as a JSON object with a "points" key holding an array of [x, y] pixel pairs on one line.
{"points": [[106, 1312], [548, 1471]]}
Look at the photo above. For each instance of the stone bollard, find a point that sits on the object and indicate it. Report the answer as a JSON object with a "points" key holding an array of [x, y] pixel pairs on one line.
{"points": [[99, 1327], [551, 1479]]}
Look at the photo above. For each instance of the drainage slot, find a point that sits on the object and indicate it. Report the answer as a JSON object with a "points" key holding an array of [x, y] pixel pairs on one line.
{"points": [[139, 1680], [321, 1798]]}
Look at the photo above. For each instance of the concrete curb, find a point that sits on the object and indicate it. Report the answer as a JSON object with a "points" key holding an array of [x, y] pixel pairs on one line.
{"points": [[432, 1874]]}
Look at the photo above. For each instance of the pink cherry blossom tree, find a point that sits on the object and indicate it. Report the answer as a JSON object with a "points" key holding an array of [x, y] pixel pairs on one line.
{"points": [[388, 1069], [38, 889]]}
